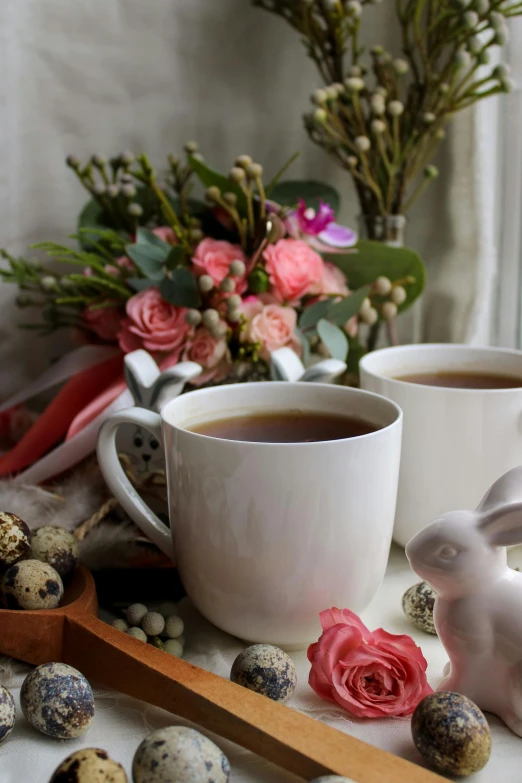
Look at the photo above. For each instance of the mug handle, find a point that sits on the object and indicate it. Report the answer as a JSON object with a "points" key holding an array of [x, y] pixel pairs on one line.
{"points": [[118, 482]]}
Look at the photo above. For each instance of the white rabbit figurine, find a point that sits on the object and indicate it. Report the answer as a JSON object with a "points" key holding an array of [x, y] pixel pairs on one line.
{"points": [[478, 609], [285, 365], [150, 388]]}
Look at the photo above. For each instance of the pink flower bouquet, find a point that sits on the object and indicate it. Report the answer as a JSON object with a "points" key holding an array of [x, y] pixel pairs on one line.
{"points": [[258, 267]]}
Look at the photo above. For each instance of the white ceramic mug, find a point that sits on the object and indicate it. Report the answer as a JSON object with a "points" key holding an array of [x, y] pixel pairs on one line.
{"points": [[456, 442], [267, 535]]}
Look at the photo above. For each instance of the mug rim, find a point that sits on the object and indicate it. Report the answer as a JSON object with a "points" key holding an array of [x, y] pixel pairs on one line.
{"points": [[323, 387], [450, 347]]}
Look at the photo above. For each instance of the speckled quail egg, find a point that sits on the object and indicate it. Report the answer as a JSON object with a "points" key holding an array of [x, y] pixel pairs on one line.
{"points": [[89, 765], [57, 547], [267, 670], [15, 539], [332, 779], [450, 731], [57, 700], [417, 604], [31, 584], [7, 713], [179, 755]]}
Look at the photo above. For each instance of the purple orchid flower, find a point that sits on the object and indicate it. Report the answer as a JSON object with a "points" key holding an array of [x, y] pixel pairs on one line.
{"points": [[319, 228]]}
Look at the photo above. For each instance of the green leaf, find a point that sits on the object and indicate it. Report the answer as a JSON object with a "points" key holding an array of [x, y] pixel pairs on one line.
{"points": [[149, 259], [304, 343], [175, 257], [181, 289], [376, 258], [139, 283], [342, 311], [210, 178], [334, 338], [144, 236], [288, 194], [311, 315]]}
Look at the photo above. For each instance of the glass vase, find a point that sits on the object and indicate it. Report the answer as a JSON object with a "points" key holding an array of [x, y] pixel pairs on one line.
{"points": [[391, 229]]}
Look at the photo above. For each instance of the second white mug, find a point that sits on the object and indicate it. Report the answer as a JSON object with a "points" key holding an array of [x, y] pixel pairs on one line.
{"points": [[456, 441]]}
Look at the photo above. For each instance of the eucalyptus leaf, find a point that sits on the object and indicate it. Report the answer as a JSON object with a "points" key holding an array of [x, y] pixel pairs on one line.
{"points": [[376, 258], [334, 339], [304, 344], [181, 288], [210, 178], [144, 236], [289, 192], [140, 283], [149, 259], [311, 314], [175, 257], [341, 312]]}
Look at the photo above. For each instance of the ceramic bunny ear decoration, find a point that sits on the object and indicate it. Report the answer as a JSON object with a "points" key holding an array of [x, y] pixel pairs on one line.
{"points": [[150, 388], [478, 609], [285, 365]]}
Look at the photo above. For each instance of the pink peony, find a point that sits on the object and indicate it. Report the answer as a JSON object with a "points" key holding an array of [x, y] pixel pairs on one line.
{"points": [[332, 281], [153, 324], [271, 324], [293, 268], [211, 353], [371, 675], [214, 256], [104, 322]]}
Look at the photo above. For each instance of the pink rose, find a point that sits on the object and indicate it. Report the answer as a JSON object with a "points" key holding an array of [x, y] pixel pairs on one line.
{"points": [[211, 353], [214, 256], [104, 321], [272, 325], [166, 234], [371, 675], [293, 268], [332, 281], [153, 324]]}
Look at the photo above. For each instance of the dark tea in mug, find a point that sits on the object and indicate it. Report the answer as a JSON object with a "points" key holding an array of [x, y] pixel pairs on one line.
{"points": [[286, 427]]}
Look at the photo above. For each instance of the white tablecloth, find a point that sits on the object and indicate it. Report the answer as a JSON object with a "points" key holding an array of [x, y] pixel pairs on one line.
{"points": [[121, 723]]}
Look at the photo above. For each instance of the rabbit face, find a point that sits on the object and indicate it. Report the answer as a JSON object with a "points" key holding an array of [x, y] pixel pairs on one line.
{"points": [[452, 546]]}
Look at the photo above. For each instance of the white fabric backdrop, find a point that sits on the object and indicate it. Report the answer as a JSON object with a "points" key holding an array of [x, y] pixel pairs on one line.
{"points": [[104, 75]]}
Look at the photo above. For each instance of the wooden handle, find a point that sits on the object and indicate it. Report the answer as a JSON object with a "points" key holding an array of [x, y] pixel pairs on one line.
{"points": [[285, 737]]}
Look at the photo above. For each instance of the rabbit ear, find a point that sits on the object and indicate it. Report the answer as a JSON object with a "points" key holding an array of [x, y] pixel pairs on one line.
{"points": [[140, 371], [506, 489], [502, 524]]}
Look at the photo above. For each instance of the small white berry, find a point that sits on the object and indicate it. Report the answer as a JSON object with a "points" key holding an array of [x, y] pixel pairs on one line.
{"points": [[363, 143], [193, 317], [382, 286], [135, 613], [173, 647], [174, 627], [398, 295], [120, 625], [205, 283], [230, 199], [153, 623], [355, 84], [233, 315], [389, 311], [369, 316], [219, 330], [236, 174], [210, 317], [254, 171], [401, 66], [135, 209], [227, 285], [244, 161], [377, 104], [319, 96], [137, 633], [395, 108], [320, 116], [378, 127], [213, 193], [237, 268], [365, 306], [234, 301]]}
